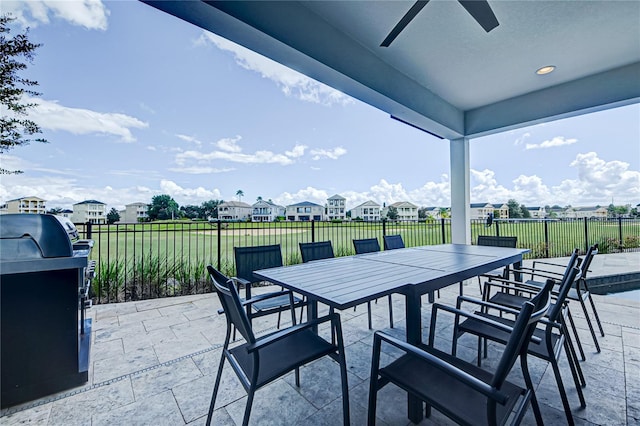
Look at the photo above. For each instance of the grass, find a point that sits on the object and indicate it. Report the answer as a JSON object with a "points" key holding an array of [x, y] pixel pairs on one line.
{"points": [[139, 261]]}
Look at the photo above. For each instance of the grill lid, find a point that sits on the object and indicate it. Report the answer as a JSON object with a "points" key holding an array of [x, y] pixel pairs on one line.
{"points": [[32, 236]]}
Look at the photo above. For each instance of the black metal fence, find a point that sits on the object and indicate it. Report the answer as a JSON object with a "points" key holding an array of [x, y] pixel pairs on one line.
{"points": [[148, 260]]}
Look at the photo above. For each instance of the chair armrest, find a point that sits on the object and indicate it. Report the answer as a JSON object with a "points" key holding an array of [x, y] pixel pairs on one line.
{"points": [[483, 303], [259, 298], [443, 366], [242, 281], [272, 338], [472, 315], [512, 285], [537, 272]]}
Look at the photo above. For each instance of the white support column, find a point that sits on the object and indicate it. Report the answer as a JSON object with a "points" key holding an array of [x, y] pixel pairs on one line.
{"points": [[460, 191]]}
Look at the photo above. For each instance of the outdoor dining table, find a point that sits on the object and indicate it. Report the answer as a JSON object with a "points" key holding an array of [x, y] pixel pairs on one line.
{"points": [[344, 282]]}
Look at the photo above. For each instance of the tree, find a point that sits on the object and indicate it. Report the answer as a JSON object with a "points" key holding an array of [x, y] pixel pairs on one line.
{"points": [[392, 213], [162, 207], [422, 213], [54, 210], [240, 194], [210, 208], [524, 211], [191, 211], [113, 216], [15, 128], [514, 209], [259, 198]]}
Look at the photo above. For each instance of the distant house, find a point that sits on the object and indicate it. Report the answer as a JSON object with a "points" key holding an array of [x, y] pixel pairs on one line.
{"points": [[405, 209], [234, 210], [135, 212], [590, 212], [305, 211], [66, 213], [25, 205], [90, 211], [433, 212], [368, 211], [482, 210], [537, 212], [266, 211], [336, 208]]}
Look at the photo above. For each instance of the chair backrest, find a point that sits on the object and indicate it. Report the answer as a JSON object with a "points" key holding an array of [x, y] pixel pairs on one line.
{"points": [[366, 245], [231, 304], [492, 240], [586, 262], [571, 274], [249, 259], [316, 251], [531, 312], [392, 242]]}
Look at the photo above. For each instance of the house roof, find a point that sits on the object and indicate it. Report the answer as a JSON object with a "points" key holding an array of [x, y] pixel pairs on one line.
{"points": [[305, 204], [24, 198], [234, 204], [368, 203], [336, 197], [444, 73], [89, 202]]}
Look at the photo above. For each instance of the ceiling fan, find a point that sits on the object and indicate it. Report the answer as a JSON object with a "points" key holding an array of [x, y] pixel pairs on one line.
{"points": [[479, 9]]}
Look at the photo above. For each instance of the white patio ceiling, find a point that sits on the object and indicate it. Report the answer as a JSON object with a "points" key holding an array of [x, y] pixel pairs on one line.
{"points": [[444, 73]]}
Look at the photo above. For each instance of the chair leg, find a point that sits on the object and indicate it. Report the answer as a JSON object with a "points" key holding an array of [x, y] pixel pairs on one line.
{"points": [[247, 409], [524, 365], [563, 393], [574, 366], [369, 315], [588, 318], [390, 312], [215, 389], [575, 334], [297, 374], [595, 314], [573, 356]]}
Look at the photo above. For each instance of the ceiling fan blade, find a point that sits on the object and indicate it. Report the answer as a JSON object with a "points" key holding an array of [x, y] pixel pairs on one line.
{"points": [[481, 12], [417, 7]]}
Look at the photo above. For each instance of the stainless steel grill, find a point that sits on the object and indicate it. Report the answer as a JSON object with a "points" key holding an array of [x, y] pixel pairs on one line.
{"points": [[44, 284]]}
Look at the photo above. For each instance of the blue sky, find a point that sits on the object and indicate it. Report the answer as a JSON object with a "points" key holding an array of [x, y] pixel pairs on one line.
{"points": [[137, 103]]}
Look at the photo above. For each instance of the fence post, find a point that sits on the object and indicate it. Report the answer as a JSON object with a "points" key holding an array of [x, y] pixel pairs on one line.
{"points": [[586, 235], [88, 230], [546, 238], [497, 228], [313, 231], [219, 245], [444, 239], [384, 228], [620, 232]]}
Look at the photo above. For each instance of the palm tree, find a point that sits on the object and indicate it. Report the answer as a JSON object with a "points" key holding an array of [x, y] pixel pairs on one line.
{"points": [[240, 194], [259, 198]]}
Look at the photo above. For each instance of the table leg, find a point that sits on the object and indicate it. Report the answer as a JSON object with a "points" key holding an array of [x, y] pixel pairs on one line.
{"points": [[312, 312], [414, 336]]}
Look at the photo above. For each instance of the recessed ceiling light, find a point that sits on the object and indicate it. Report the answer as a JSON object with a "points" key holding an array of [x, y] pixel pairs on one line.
{"points": [[545, 70]]}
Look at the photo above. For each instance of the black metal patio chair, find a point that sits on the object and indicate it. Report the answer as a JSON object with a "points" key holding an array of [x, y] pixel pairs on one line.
{"points": [[579, 293], [554, 334], [495, 241], [392, 242], [249, 259], [370, 245], [261, 360], [316, 251], [460, 390]]}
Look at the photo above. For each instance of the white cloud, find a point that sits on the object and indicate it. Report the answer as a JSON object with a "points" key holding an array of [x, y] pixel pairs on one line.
{"points": [[53, 116], [91, 14], [318, 196], [292, 83], [189, 139], [197, 170], [229, 144], [556, 141], [332, 154], [230, 150], [188, 195]]}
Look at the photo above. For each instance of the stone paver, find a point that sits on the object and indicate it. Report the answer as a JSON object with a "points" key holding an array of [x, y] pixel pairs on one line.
{"points": [[154, 362]]}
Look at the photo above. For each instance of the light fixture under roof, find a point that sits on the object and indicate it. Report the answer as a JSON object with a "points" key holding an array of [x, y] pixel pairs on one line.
{"points": [[545, 70]]}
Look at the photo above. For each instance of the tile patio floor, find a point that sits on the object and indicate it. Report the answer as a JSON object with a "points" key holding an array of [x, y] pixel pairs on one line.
{"points": [[154, 363]]}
